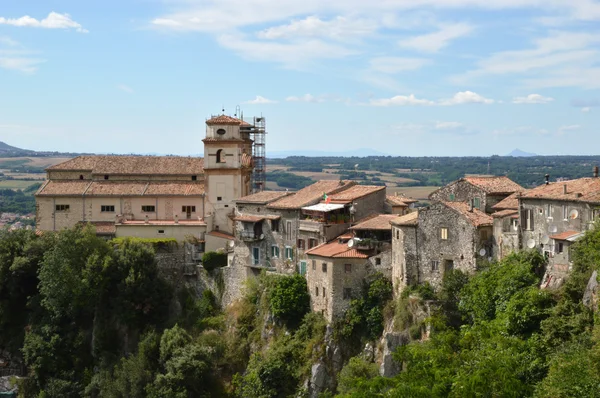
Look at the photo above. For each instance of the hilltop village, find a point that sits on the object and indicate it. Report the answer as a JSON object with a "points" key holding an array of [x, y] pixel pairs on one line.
{"points": [[335, 233]]}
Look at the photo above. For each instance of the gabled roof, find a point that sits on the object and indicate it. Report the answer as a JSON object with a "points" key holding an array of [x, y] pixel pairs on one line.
{"points": [[221, 234], [505, 213], [494, 185], [408, 220], [119, 188], [401, 201], [223, 119], [311, 194], [133, 165], [337, 248], [355, 192], [570, 236], [580, 190], [63, 188], [475, 216], [248, 218], [378, 222], [263, 197], [510, 202]]}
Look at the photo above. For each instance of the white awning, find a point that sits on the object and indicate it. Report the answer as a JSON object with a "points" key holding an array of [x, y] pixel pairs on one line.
{"points": [[324, 207]]}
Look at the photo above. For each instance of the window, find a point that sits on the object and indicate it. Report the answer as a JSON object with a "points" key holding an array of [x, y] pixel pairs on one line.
{"points": [[275, 225], [565, 210], [515, 223], [323, 291], [255, 255], [397, 233], [484, 235], [221, 131], [324, 267], [194, 178], [81, 176], [378, 261], [161, 231], [302, 269], [452, 197], [219, 198], [62, 207], [549, 210], [528, 216], [220, 156], [106, 176], [347, 268], [448, 265], [314, 265], [288, 230], [188, 209], [477, 203], [148, 209], [317, 291], [347, 293], [289, 253], [107, 209], [560, 247], [312, 243], [435, 265], [301, 244], [444, 233], [275, 251]]}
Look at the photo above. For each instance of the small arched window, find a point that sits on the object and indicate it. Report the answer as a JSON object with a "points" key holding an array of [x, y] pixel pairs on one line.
{"points": [[81, 176], [220, 156], [221, 131]]}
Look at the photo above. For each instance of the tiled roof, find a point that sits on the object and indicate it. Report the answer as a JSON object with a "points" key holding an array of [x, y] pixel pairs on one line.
{"points": [[102, 227], [510, 202], [215, 139], [380, 222], [220, 234], [580, 190], [223, 119], [185, 223], [63, 188], [336, 249], [119, 188], [174, 189], [98, 188], [311, 194], [565, 235], [263, 197], [248, 218], [355, 192], [475, 217], [410, 219], [505, 213], [401, 201], [133, 165], [495, 185]]}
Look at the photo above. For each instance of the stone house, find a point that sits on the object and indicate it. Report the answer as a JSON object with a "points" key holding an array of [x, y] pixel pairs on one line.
{"points": [[441, 237], [553, 216], [483, 191], [337, 270], [507, 238], [400, 205]]}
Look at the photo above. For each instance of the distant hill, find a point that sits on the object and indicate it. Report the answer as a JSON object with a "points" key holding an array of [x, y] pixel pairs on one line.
{"points": [[517, 153], [5, 148], [361, 152]]}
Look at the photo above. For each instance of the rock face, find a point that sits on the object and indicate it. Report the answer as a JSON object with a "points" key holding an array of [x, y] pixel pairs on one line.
{"points": [[318, 380], [590, 296], [390, 341]]}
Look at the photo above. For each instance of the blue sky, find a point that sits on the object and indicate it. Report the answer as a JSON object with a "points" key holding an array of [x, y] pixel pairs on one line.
{"points": [[404, 77]]}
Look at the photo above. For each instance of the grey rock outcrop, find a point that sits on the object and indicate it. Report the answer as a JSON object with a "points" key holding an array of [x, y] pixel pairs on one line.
{"points": [[590, 296]]}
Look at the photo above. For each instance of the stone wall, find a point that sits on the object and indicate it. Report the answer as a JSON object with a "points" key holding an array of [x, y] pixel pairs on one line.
{"points": [[462, 191]]}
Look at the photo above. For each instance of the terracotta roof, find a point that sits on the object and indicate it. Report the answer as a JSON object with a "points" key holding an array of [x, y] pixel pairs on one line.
{"points": [[355, 192], [63, 188], [410, 219], [336, 249], [312, 194], [223, 119], [263, 197], [580, 190], [133, 165], [185, 223], [510, 202], [505, 213], [495, 185], [565, 235], [220, 234], [174, 189], [380, 222], [102, 227], [215, 139], [402, 201], [98, 188], [475, 217], [248, 218]]}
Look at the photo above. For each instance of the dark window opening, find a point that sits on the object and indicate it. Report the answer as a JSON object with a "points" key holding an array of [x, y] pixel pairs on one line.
{"points": [[347, 268], [107, 209], [561, 247], [148, 209], [220, 156], [106, 176], [347, 293], [275, 225], [378, 261], [324, 267], [62, 207], [221, 131], [161, 231], [219, 198], [81, 176], [194, 178]]}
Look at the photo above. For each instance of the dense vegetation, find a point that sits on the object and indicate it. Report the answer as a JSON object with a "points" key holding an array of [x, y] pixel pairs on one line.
{"points": [[288, 180], [19, 201], [527, 171]]}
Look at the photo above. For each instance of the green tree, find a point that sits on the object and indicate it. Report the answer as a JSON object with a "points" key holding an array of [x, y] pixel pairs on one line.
{"points": [[289, 299]]}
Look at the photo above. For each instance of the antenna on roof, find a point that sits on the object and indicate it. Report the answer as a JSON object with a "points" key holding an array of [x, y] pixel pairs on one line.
{"points": [[237, 110]]}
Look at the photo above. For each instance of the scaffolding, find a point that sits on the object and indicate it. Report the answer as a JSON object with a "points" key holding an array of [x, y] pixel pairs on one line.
{"points": [[258, 132]]}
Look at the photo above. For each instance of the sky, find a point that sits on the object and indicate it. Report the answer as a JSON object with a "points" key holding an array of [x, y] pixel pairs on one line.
{"points": [[403, 77]]}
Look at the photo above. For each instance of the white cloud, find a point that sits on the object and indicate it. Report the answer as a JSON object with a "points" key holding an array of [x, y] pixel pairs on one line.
{"points": [[260, 101], [532, 99], [434, 42], [125, 88], [338, 28], [466, 97], [393, 65], [586, 109], [21, 64], [562, 130], [448, 125], [306, 98], [401, 100], [7, 41], [52, 21]]}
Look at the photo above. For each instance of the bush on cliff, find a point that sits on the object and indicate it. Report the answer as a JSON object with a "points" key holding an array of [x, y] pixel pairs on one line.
{"points": [[212, 260]]}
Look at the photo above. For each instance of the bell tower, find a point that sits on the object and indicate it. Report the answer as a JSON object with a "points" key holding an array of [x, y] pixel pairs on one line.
{"points": [[227, 167]]}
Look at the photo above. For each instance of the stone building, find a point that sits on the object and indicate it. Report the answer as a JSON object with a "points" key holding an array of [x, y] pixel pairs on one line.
{"points": [[553, 216], [400, 205], [441, 237], [153, 196], [337, 270], [507, 238], [484, 192]]}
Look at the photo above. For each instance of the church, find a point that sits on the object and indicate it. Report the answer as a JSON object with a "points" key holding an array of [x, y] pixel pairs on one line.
{"points": [[160, 196]]}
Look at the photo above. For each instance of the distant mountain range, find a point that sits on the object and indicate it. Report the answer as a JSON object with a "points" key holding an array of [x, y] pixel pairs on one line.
{"points": [[6, 149], [517, 153]]}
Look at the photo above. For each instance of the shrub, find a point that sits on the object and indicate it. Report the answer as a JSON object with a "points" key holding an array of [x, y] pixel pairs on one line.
{"points": [[289, 299], [212, 260]]}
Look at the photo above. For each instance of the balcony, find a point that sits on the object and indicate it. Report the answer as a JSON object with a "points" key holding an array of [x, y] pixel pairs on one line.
{"points": [[251, 236]]}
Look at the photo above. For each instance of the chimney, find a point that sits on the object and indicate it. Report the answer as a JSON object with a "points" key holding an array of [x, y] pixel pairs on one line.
{"points": [[595, 171], [547, 176], [565, 189]]}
